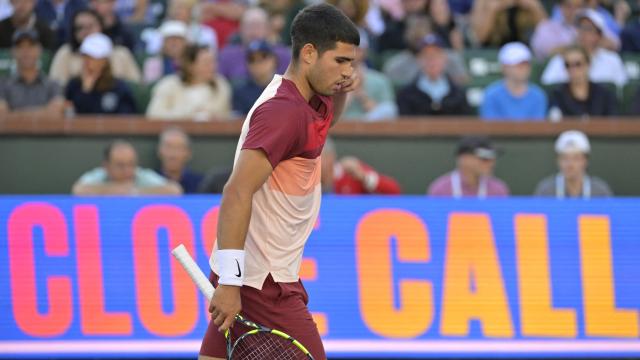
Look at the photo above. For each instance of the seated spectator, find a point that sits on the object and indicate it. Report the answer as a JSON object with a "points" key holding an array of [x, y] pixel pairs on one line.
{"points": [[351, 176], [254, 26], [403, 68], [196, 93], [613, 23], [581, 97], [394, 35], [174, 41], [432, 93], [120, 175], [573, 151], [186, 12], [630, 36], [355, 11], [97, 90], [223, 16], [554, 34], [29, 90], [473, 175], [67, 62], [606, 65], [496, 23], [58, 15], [514, 98], [25, 19], [262, 64], [374, 98], [174, 152], [444, 24], [112, 26]]}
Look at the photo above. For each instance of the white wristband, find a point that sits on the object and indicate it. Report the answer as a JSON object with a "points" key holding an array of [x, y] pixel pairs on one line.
{"points": [[231, 266]]}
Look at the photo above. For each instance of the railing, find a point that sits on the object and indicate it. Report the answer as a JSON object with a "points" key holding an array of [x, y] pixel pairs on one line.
{"points": [[402, 127]]}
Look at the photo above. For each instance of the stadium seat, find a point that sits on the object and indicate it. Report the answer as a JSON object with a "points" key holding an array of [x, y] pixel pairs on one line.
{"points": [[483, 66], [632, 65], [142, 95], [628, 93]]}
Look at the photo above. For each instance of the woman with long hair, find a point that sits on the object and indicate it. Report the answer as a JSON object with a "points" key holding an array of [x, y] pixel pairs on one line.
{"points": [[96, 90], [197, 92], [67, 62]]}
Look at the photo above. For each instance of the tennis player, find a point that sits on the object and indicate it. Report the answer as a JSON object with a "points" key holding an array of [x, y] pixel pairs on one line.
{"points": [[272, 199]]}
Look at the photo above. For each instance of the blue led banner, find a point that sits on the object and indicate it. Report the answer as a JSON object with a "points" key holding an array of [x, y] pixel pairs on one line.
{"points": [[388, 277]]}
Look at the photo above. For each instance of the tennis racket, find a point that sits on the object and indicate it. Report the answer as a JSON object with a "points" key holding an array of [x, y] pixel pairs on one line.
{"points": [[257, 342]]}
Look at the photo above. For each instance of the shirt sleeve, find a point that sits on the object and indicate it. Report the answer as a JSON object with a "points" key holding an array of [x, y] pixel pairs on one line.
{"points": [[148, 178], [276, 130], [96, 176]]}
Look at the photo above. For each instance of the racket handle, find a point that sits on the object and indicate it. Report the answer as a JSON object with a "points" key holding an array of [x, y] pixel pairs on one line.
{"points": [[182, 255]]}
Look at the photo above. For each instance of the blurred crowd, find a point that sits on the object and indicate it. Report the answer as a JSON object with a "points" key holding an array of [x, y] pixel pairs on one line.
{"points": [[209, 60]]}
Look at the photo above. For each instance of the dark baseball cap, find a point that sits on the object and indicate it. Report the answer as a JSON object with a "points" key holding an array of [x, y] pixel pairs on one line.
{"points": [[478, 145], [432, 40], [259, 46], [20, 35]]}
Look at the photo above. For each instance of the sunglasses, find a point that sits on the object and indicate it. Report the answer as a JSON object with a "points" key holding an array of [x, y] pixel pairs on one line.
{"points": [[573, 64]]}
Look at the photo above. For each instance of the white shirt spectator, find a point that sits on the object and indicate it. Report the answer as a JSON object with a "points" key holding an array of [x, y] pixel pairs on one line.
{"points": [[606, 66]]}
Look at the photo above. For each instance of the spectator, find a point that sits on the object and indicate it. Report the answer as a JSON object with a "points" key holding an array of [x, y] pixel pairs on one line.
{"points": [[24, 19], [197, 93], [606, 65], [554, 34], [262, 64], [254, 26], [573, 151], [444, 24], [96, 90], [120, 175], [67, 62], [631, 34], [355, 10], [394, 36], [112, 26], [224, 16], [581, 97], [29, 90], [613, 23], [135, 11], [473, 175], [514, 98], [58, 15], [351, 176], [432, 93], [403, 68], [498, 22], [174, 35], [174, 152], [374, 98], [184, 11]]}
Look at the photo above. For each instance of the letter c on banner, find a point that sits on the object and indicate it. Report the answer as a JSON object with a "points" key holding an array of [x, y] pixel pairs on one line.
{"points": [[22, 266], [375, 271]]}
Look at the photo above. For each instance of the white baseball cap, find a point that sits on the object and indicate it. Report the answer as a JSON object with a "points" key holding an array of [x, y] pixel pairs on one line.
{"points": [[572, 141], [514, 53], [97, 45], [598, 21], [173, 28]]}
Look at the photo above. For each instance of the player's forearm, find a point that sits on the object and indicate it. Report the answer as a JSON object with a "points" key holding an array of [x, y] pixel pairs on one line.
{"points": [[233, 219]]}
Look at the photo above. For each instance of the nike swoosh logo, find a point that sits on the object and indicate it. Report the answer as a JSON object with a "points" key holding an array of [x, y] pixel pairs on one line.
{"points": [[239, 274]]}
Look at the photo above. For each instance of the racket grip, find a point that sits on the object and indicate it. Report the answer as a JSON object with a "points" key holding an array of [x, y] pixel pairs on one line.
{"points": [[182, 255]]}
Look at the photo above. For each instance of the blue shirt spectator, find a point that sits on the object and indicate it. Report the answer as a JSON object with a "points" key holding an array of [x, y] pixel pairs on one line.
{"points": [[500, 104], [514, 98]]}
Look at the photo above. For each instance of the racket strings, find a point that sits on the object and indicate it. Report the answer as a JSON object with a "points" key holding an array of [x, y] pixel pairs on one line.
{"points": [[266, 346]]}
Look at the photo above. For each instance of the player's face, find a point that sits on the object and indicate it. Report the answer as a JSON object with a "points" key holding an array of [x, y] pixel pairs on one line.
{"points": [[572, 165], [330, 70], [121, 166]]}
